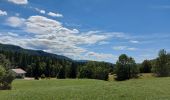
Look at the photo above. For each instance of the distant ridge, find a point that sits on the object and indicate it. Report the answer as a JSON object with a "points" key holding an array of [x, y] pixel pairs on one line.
{"points": [[18, 49], [14, 48]]}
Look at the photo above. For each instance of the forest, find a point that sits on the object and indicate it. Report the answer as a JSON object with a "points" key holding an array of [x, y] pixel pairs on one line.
{"points": [[41, 64]]}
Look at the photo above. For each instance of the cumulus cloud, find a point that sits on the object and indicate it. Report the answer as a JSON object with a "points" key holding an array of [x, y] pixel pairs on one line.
{"points": [[55, 14], [124, 48], [3, 13], [13, 38], [19, 1], [51, 36], [15, 21]]}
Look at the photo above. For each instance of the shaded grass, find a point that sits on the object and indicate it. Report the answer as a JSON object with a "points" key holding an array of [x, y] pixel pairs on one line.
{"points": [[86, 89]]}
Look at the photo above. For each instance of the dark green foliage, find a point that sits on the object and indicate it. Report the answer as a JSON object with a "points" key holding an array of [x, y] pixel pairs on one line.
{"points": [[162, 65], [36, 78], [6, 76], [72, 70], [146, 67], [126, 68], [5, 62], [36, 63], [7, 81], [85, 72], [61, 74], [95, 70]]}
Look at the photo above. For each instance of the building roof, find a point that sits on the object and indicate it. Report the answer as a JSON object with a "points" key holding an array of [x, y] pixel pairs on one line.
{"points": [[19, 71]]}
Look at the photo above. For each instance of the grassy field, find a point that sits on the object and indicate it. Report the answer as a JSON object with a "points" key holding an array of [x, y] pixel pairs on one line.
{"points": [[86, 89]]}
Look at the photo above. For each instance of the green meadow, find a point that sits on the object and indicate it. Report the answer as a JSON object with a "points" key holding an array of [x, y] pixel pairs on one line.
{"points": [[147, 88]]}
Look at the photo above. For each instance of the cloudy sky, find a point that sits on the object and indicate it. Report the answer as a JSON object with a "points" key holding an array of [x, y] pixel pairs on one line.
{"points": [[88, 29]]}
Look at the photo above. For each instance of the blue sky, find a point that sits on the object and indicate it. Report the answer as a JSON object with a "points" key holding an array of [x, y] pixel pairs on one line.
{"points": [[88, 29]]}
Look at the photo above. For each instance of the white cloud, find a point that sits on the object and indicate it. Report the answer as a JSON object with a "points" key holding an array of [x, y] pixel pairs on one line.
{"points": [[134, 41], [40, 11], [3, 13], [19, 1], [15, 21], [124, 48], [50, 35], [55, 14]]}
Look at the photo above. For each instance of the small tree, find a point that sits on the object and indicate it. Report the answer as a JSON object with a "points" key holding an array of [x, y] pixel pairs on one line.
{"points": [[6, 78], [126, 68], [162, 67]]}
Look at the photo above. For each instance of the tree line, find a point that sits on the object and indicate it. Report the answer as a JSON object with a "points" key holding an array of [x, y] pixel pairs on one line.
{"points": [[38, 66], [126, 68]]}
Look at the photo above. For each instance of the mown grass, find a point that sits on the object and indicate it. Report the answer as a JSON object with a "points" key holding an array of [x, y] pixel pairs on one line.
{"points": [[86, 89]]}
